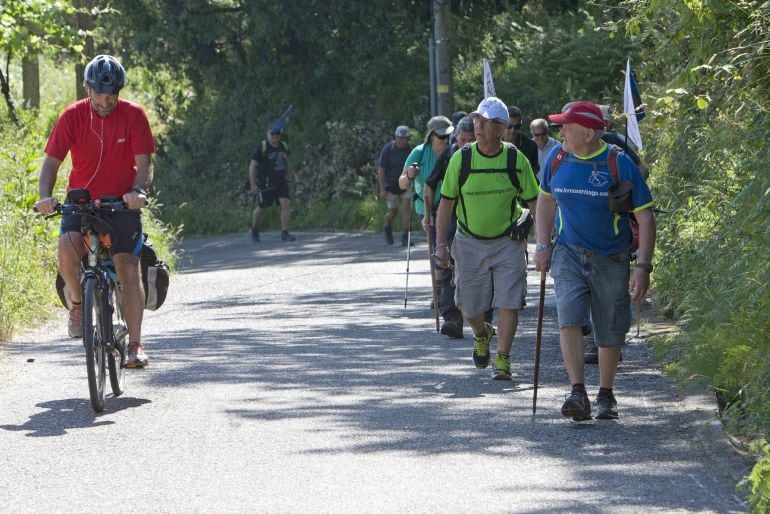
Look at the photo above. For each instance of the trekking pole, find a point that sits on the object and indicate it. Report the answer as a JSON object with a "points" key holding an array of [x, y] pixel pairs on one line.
{"points": [[433, 279], [538, 338], [408, 253]]}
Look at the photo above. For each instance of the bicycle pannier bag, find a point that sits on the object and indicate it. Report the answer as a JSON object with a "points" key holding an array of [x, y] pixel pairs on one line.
{"points": [[155, 277]]}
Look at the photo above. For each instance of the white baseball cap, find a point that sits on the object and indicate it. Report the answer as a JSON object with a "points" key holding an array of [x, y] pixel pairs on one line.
{"points": [[492, 108], [402, 131]]}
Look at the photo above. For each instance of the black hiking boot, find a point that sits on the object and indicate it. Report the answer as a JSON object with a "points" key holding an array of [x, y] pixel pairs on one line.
{"points": [[452, 329], [606, 407], [577, 406], [285, 236], [406, 240], [388, 234], [255, 235]]}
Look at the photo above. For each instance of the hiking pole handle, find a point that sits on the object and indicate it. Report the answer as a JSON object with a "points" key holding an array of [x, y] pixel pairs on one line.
{"points": [[538, 339]]}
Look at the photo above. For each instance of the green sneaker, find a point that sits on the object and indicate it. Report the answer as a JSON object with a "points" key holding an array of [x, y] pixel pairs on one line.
{"points": [[481, 348], [502, 367]]}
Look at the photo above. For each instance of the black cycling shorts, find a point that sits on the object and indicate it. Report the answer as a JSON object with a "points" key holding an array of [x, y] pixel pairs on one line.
{"points": [[277, 187], [125, 229]]}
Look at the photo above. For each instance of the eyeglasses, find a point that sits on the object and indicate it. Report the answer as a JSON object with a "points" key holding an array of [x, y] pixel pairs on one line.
{"points": [[542, 134], [445, 136], [516, 126]]}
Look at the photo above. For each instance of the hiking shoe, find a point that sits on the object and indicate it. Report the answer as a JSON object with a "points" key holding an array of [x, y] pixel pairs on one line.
{"points": [[606, 407], [452, 329], [136, 356], [591, 355], [388, 234], [481, 348], [285, 236], [255, 235], [75, 322], [577, 406], [502, 367], [405, 240]]}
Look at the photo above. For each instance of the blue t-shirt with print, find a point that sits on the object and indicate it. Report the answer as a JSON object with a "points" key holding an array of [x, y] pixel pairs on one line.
{"points": [[581, 192]]}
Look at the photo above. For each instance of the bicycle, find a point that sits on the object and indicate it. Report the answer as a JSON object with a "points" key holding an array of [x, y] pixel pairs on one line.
{"points": [[104, 328]]}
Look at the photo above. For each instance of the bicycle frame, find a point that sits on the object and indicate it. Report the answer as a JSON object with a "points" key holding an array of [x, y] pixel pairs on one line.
{"points": [[104, 328]]}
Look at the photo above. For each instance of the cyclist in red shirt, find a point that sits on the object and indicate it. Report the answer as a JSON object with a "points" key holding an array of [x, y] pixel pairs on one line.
{"points": [[110, 143]]}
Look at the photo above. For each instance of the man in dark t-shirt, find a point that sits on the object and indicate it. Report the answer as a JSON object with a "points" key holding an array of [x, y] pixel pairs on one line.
{"points": [[513, 134], [390, 165], [269, 177]]}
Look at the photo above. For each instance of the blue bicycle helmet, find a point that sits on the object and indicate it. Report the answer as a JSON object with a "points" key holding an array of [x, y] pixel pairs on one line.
{"points": [[105, 75]]}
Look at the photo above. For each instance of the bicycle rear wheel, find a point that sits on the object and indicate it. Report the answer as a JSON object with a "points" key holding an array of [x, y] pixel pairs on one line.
{"points": [[93, 340], [116, 359]]}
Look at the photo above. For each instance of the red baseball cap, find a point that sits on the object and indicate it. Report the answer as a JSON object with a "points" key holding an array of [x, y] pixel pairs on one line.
{"points": [[587, 114]]}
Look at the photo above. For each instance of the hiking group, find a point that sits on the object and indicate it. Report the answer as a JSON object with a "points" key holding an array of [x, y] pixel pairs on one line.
{"points": [[476, 183], [477, 198]]}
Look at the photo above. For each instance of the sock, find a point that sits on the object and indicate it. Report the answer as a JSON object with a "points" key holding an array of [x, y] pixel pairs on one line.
{"points": [[603, 391], [578, 388]]}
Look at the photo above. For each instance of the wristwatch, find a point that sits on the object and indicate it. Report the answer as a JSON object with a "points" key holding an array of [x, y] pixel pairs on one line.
{"points": [[542, 246], [645, 266], [140, 190]]}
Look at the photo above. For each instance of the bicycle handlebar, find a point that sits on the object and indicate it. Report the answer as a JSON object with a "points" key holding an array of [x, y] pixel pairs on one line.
{"points": [[89, 208]]}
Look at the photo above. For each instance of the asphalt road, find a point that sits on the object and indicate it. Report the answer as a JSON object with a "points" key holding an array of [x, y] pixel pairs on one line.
{"points": [[288, 377]]}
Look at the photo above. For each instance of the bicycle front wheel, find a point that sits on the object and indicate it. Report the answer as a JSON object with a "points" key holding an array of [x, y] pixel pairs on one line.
{"points": [[93, 340]]}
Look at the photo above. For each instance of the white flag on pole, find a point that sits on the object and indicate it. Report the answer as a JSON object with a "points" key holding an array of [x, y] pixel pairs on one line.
{"points": [[629, 110], [489, 85]]}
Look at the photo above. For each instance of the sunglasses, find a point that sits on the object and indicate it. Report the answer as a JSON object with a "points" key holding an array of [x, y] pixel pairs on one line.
{"points": [[517, 126], [445, 136]]}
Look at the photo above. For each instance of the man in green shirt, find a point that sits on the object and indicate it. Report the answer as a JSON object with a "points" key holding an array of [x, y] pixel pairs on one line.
{"points": [[486, 256]]}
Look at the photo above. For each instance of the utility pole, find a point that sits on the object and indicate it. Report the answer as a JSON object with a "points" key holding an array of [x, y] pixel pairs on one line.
{"points": [[442, 59]]}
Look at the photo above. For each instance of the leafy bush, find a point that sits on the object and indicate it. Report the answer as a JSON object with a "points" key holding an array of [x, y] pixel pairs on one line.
{"points": [[709, 156], [27, 261]]}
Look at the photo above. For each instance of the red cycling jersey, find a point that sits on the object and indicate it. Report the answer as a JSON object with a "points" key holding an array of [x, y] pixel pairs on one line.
{"points": [[103, 150]]}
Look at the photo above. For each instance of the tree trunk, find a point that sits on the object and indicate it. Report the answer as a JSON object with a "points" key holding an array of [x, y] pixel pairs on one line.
{"points": [[5, 88], [30, 76], [84, 22]]}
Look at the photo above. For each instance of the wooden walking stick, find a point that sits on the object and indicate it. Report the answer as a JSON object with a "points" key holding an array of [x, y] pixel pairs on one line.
{"points": [[538, 338], [433, 279], [638, 317]]}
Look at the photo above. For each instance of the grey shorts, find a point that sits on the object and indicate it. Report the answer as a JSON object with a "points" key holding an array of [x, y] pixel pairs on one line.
{"points": [[585, 282], [396, 200], [480, 265]]}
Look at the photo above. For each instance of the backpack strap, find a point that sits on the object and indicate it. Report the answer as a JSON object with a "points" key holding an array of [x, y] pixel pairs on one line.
{"points": [[612, 164], [513, 172], [465, 165], [557, 160]]}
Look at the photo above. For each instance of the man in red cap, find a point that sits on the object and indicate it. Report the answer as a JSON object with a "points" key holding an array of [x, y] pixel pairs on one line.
{"points": [[589, 259]]}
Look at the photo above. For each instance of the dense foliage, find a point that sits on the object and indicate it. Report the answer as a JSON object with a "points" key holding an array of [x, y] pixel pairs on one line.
{"points": [[216, 72]]}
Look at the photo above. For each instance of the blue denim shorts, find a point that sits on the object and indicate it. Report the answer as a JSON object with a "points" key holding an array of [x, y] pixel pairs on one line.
{"points": [[584, 282]]}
